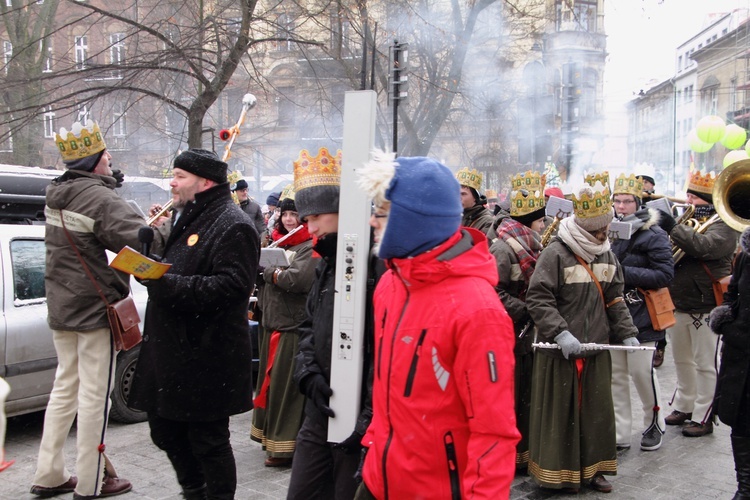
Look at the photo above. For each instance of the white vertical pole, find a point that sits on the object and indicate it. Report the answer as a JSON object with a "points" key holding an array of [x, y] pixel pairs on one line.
{"points": [[352, 254]]}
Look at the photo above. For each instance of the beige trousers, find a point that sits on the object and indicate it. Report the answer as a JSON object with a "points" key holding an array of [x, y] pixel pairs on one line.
{"points": [[83, 383], [694, 348], [638, 366]]}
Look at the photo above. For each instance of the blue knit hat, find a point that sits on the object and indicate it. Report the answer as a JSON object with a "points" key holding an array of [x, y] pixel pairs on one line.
{"points": [[425, 206]]}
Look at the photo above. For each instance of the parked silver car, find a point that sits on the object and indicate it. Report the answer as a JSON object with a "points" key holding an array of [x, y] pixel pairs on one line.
{"points": [[27, 352]]}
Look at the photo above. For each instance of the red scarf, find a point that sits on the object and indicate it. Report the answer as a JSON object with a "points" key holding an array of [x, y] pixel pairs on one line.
{"points": [[531, 245], [299, 237]]}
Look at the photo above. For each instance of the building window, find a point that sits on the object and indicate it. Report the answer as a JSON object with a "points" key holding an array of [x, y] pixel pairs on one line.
{"points": [[120, 123], [679, 63], [49, 122], [285, 106], [7, 54], [284, 29], [578, 16], [81, 51], [83, 113], [6, 139], [117, 52], [341, 29], [588, 94], [47, 66]]}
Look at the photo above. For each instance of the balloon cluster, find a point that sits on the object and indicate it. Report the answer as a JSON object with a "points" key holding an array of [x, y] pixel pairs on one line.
{"points": [[712, 129]]}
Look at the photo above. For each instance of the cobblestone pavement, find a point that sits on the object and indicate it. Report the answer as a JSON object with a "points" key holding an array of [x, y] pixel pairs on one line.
{"points": [[684, 468]]}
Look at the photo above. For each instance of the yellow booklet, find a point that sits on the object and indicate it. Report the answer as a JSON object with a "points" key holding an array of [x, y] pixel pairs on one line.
{"points": [[135, 263]]}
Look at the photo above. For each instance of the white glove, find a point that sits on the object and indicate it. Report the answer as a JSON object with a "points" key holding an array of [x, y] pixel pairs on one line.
{"points": [[631, 342]]}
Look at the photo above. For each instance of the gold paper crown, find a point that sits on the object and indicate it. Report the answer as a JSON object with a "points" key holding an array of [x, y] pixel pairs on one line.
{"points": [[490, 194], [234, 177], [321, 170], [287, 192], [628, 185], [471, 178], [602, 178], [82, 141], [701, 183], [531, 182], [599, 203]]}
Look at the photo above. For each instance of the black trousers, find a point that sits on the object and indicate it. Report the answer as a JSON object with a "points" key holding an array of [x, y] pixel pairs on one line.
{"points": [[320, 471], [200, 453]]}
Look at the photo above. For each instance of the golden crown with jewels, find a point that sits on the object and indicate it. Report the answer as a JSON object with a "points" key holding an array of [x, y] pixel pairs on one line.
{"points": [[471, 178], [602, 178], [701, 183], [598, 203], [527, 193], [321, 170], [628, 185], [82, 141], [287, 192]]}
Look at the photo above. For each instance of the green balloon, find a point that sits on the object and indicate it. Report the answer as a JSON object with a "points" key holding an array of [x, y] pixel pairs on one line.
{"points": [[710, 129], [696, 144], [735, 156], [734, 136]]}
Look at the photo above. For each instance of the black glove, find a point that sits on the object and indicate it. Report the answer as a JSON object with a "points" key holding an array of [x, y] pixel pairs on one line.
{"points": [[352, 444], [318, 391], [719, 316], [667, 222], [119, 177]]}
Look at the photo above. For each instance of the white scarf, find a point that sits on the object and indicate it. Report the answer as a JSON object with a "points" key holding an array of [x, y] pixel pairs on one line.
{"points": [[580, 241]]}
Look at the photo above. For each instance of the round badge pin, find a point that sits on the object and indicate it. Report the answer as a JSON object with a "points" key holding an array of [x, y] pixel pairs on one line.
{"points": [[192, 240]]}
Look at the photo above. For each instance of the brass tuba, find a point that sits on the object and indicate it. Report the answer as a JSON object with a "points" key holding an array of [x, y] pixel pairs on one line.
{"points": [[731, 195]]}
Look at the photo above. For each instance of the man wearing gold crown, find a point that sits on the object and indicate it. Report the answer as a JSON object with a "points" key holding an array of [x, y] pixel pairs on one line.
{"points": [[516, 249], [575, 297], [707, 257], [646, 260], [475, 214], [321, 469], [82, 209]]}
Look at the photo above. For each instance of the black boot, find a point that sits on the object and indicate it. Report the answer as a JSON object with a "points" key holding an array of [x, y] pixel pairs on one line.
{"points": [[199, 493], [741, 451]]}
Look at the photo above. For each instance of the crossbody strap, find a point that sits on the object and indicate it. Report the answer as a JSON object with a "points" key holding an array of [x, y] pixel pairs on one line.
{"points": [[83, 262], [598, 285]]}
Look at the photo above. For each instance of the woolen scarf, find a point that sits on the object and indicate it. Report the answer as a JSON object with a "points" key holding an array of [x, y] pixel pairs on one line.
{"points": [[580, 241], [530, 243]]}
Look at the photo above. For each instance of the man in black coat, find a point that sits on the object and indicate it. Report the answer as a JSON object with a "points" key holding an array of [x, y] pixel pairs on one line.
{"points": [[250, 206], [194, 369]]}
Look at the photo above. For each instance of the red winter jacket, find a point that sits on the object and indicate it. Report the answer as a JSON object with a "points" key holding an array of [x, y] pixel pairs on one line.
{"points": [[443, 422]]}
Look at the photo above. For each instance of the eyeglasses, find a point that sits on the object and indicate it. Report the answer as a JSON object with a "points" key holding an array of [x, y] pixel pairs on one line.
{"points": [[623, 202], [374, 213]]}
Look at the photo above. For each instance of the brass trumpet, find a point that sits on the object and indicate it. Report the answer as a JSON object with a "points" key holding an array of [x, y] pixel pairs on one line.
{"points": [[248, 102], [731, 198], [731, 195], [161, 213]]}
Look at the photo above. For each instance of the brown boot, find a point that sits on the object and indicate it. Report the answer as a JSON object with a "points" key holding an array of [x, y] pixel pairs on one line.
{"points": [[696, 429], [658, 357], [677, 418], [45, 492]]}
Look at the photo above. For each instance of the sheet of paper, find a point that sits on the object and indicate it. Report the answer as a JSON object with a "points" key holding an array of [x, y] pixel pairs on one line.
{"points": [[274, 257]]}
